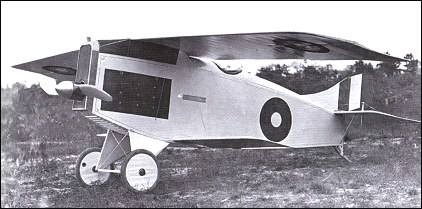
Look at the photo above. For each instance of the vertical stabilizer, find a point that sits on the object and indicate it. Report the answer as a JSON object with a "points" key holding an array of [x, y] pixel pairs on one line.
{"points": [[355, 92], [345, 95]]}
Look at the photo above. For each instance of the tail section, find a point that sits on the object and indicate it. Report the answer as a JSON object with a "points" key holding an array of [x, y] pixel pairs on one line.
{"points": [[345, 95]]}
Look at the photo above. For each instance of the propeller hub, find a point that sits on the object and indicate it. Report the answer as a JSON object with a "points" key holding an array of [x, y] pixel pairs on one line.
{"points": [[65, 89]]}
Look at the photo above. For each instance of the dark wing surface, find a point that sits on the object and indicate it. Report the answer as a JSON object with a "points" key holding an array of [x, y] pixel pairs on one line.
{"points": [[61, 67], [277, 45]]}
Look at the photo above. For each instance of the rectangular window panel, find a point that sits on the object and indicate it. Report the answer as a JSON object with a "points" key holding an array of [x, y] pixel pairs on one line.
{"points": [[137, 94]]}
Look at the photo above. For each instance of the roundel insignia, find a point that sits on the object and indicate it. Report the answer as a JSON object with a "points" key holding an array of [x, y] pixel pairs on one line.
{"points": [[275, 119], [60, 69], [300, 45]]}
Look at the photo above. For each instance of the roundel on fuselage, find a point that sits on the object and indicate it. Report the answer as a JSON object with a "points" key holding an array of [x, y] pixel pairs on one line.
{"points": [[275, 119]]}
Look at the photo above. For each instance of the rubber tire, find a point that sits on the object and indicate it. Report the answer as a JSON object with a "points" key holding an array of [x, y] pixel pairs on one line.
{"points": [[124, 169], [79, 161]]}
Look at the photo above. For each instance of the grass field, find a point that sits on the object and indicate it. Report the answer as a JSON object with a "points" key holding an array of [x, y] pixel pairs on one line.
{"points": [[385, 172]]}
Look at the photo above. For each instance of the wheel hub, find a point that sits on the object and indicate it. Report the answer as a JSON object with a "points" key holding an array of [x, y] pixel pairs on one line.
{"points": [[142, 172]]}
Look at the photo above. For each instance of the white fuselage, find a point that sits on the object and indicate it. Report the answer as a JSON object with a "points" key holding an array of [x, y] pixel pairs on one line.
{"points": [[208, 104]]}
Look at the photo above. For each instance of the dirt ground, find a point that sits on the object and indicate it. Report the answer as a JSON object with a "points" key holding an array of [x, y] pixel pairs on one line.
{"points": [[384, 172]]}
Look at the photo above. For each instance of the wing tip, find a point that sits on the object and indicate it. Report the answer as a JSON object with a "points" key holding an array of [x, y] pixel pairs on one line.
{"points": [[18, 66]]}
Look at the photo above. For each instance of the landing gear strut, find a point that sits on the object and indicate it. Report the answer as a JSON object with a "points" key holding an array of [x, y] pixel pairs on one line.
{"points": [[139, 171]]}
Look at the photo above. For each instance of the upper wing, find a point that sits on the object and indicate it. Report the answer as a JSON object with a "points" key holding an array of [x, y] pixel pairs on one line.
{"points": [[377, 113], [60, 67], [277, 45]]}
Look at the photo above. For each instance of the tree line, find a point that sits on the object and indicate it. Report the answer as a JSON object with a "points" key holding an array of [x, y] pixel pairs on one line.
{"points": [[307, 79]]}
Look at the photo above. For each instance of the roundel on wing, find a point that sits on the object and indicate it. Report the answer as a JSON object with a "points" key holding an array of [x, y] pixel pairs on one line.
{"points": [[275, 119], [300, 45], [60, 70]]}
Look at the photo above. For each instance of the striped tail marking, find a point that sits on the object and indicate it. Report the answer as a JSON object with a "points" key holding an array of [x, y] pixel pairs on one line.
{"points": [[350, 92]]}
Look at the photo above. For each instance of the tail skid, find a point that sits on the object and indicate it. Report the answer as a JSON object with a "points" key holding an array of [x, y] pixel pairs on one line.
{"points": [[339, 150]]}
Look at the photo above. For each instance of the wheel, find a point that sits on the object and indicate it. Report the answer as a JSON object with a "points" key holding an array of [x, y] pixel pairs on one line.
{"points": [[86, 171], [140, 171]]}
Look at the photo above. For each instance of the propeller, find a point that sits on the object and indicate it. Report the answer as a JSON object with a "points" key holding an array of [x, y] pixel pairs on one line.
{"points": [[70, 90]]}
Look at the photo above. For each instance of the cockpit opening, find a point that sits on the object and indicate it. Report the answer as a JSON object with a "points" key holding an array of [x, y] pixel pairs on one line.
{"points": [[226, 68]]}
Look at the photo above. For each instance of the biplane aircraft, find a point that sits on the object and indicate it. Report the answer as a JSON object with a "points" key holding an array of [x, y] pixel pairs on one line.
{"points": [[149, 93]]}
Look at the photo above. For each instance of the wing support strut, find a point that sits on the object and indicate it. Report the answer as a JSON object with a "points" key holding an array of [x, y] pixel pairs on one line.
{"points": [[340, 148]]}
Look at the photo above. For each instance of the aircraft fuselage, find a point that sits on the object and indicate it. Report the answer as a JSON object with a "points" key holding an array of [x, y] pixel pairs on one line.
{"points": [[194, 101]]}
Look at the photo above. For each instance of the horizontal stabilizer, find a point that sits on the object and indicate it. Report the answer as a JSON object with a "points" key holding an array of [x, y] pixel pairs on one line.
{"points": [[373, 112]]}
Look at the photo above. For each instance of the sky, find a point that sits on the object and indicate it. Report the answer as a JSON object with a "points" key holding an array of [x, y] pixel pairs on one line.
{"points": [[34, 30]]}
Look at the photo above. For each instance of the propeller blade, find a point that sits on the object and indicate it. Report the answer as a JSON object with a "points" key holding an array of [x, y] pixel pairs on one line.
{"points": [[70, 90], [92, 91], [49, 86]]}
